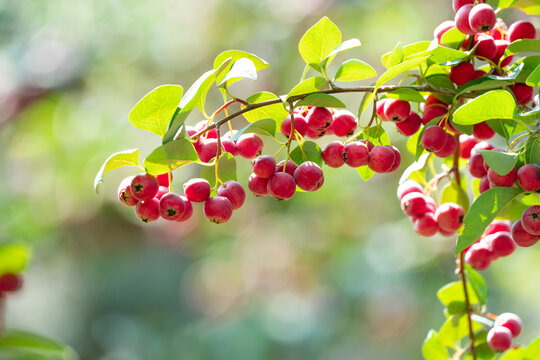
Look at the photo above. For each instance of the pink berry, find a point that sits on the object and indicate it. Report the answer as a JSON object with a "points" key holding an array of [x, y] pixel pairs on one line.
{"points": [[124, 192], [300, 125], [484, 185], [281, 186], [523, 93], [229, 146], [368, 143], [426, 225], [466, 144], [442, 28], [433, 111], [319, 118], [380, 109], [479, 256], [499, 338], [485, 47], [501, 48], [10, 282], [521, 30], [482, 145], [397, 159], [500, 243], [498, 226], [477, 165], [188, 210], [197, 190], [528, 177], [249, 145], [381, 159], [396, 110], [462, 19], [502, 180], [530, 220], [356, 154], [313, 134], [482, 18], [207, 150], [148, 210], [478, 74], [415, 204], [457, 4], [497, 33], [408, 187], [210, 134], [449, 148], [144, 187], [332, 155], [289, 167], [450, 217], [410, 125], [309, 176], [233, 191], [264, 166], [218, 209], [163, 179], [510, 321], [257, 185], [462, 73], [171, 207], [522, 237], [162, 191], [434, 138], [482, 131], [344, 123]]}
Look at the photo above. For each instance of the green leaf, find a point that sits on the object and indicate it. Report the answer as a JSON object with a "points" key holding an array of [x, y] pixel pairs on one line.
{"points": [[13, 258], [432, 348], [318, 42], [530, 7], [377, 135], [534, 77], [414, 167], [521, 46], [405, 94], [506, 3], [241, 69], [309, 151], [395, 57], [441, 81], [321, 100], [365, 172], [309, 85], [367, 99], [409, 50], [482, 212], [532, 151], [484, 83], [455, 194], [443, 54], [235, 55], [453, 292], [454, 329], [346, 45], [170, 156], [354, 70], [533, 350], [19, 345], [226, 168], [155, 110], [263, 127], [478, 284], [496, 104], [502, 163], [400, 69], [453, 38], [275, 111], [115, 161], [514, 354]]}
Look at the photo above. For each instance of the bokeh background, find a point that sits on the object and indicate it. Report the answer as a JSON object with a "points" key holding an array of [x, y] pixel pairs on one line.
{"points": [[337, 274]]}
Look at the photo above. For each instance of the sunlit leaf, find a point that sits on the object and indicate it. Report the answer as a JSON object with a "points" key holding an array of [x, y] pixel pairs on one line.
{"points": [[496, 104], [318, 42], [115, 161], [170, 156]]}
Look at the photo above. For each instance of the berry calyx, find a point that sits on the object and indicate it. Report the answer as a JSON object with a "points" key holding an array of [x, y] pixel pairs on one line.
{"points": [[148, 211], [396, 110], [144, 187], [530, 220], [218, 209], [171, 207]]}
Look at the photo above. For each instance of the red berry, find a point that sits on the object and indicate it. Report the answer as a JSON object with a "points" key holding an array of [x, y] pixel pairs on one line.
{"points": [[457, 4], [523, 93], [442, 28], [485, 47], [188, 210], [124, 192], [249, 145], [528, 177], [300, 125], [466, 144], [344, 123], [482, 131], [281, 186], [197, 190], [312, 134], [163, 179], [397, 159], [207, 150], [10, 282], [162, 191], [501, 180], [500, 243], [309, 176], [522, 237], [449, 148], [233, 191], [479, 256], [497, 33], [484, 185], [410, 125], [289, 168], [415, 204], [521, 30], [530, 220], [257, 185], [380, 109], [434, 138], [426, 225], [450, 217], [482, 18], [482, 145], [501, 48], [144, 187], [148, 210], [462, 19], [171, 207], [356, 153], [381, 159], [218, 209], [433, 111], [510, 321], [498, 226], [332, 155], [499, 338], [476, 165], [396, 110], [462, 73], [408, 187], [229, 146], [319, 118], [264, 166], [210, 134], [478, 74]]}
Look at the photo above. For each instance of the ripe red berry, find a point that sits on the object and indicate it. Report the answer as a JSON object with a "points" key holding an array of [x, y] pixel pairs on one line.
{"points": [[344, 123], [210, 134], [197, 190], [207, 150], [380, 109], [264, 166], [477, 166], [257, 185], [500, 243], [289, 167], [482, 18], [450, 217], [499, 338], [482, 131], [249, 145], [300, 125], [124, 192], [233, 191], [521, 30], [433, 111], [522, 237], [188, 210], [356, 153], [218, 209], [449, 148], [457, 4], [144, 187], [497, 33], [396, 110], [530, 220], [498, 226], [312, 134], [462, 73], [281, 186], [319, 118], [410, 125], [485, 47], [482, 145], [163, 179], [528, 177], [523, 93], [510, 321], [415, 204], [501, 48], [162, 191], [148, 210], [397, 159], [10, 282], [171, 207], [381, 159], [426, 225], [309, 176], [229, 146], [434, 138], [466, 144], [407, 187], [462, 19], [501, 180], [484, 184], [332, 155], [479, 256]]}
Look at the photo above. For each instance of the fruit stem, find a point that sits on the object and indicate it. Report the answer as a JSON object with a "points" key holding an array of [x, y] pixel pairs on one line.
{"points": [[461, 262], [218, 153], [364, 128]]}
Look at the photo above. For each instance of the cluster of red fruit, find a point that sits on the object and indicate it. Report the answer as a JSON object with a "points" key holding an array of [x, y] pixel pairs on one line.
{"points": [[315, 122], [10, 283], [429, 219], [501, 237], [506, 327], [380, 159]]}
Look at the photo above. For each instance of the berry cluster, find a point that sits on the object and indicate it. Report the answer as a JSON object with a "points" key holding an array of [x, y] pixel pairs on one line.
{"points": [[10, 283], [506, 327], [429, 219], [315, 122]]}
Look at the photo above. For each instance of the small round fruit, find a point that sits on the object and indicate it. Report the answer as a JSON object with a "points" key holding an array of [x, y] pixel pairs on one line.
{"points": [[319, 118], [309, 176], [442, 28], [498, 226], [457, 4], [396, 110], [499, 338], [381, 159], [162, 191], [477, 166], [188, 210], [415, 204], [407, 187], [462, 19], [510, 321], [482, 131], [528, 177], [410, 125], [434, 138], [450, 217], [344, 123], [500, 243], [501, 48], [530, 220], [229, 146], [356, 153], [449, 148], [218, 209], [522, 237], [163, 179], [462, 73], [264, 166], [233, 191], [466, 144], [207, 149], [502, 180], [380, 109], [249, 145], [148, 210], [521, 30], [482, 18], [332, 155], [257, 185], [10, 282], [397, 159], [289, 167], [300, 125], [523, 93], [171, 207], [124, 193], [485, 47], [144, 187], [281, 186], [426, 225], [197, 190], [479, 256], [484, 184], [433, 111]]}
